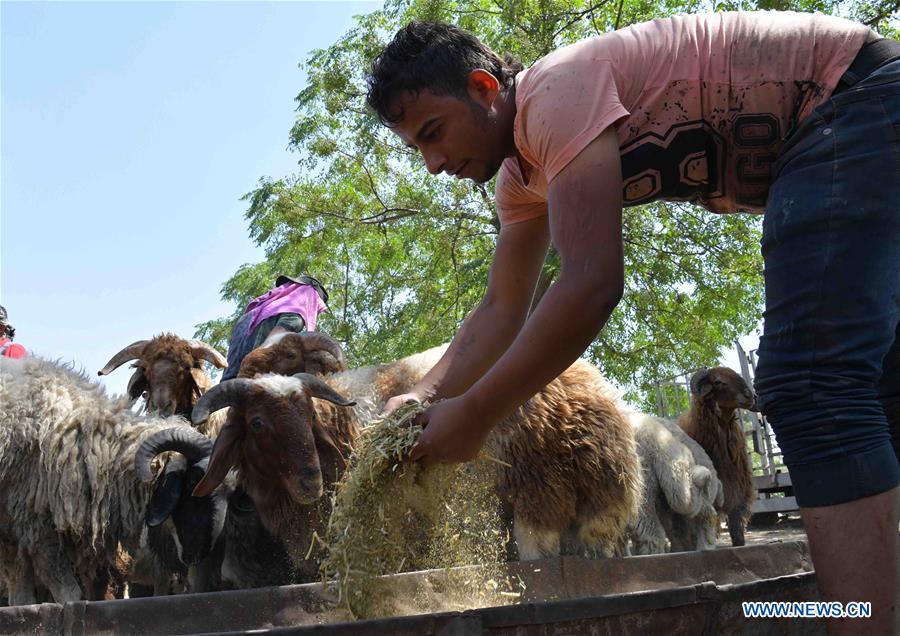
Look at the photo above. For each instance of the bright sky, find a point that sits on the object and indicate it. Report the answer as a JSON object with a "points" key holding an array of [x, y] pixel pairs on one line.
{"points": [[129, 133]]}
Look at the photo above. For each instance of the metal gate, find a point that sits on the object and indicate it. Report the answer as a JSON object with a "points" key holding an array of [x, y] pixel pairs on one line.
{"points": [[770, 476]]}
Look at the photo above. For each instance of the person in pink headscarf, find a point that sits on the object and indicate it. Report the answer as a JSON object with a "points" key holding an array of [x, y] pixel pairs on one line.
{"points": [[291, 306]]}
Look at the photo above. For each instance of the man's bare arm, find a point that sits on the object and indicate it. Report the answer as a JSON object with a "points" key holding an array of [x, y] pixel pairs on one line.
{"points": [[492, 326], [585, 214], [585, 202]]}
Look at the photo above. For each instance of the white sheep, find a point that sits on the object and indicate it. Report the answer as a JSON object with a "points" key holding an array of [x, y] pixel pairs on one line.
{"points": [[680, 488], [69, 491]]}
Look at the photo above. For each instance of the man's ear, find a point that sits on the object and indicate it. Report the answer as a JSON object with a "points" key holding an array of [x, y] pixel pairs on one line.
{"points": [[483, 87]]}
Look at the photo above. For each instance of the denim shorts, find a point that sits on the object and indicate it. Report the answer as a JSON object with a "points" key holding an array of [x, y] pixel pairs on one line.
{"points": [[828, 377]]}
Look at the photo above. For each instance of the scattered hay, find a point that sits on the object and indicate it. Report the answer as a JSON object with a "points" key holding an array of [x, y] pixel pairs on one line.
{"points": [[391, 516]]}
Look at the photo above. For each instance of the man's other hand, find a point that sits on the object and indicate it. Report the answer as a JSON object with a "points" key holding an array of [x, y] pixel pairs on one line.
{"points": [[453, 433], [399, 400]]}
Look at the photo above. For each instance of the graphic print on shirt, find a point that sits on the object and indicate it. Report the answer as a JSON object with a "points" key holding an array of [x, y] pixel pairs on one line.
{"points": [[688, 162]]}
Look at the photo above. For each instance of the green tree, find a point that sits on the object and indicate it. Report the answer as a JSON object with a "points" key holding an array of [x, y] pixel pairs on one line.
{"points": [[405, 255]]}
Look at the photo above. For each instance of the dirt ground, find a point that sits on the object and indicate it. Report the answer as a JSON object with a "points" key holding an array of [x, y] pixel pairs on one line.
{"points": [[789, 527]]}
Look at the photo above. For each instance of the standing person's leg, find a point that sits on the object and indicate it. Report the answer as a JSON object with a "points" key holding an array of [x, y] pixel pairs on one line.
{"points": [[831, 244], [240, 345]]}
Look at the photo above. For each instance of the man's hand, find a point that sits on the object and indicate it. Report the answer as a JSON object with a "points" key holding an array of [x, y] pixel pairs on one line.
{"points": [[399, 400], [453, 433]]}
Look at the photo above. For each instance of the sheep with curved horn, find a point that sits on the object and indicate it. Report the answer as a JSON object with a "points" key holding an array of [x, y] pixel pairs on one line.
{"points": [[67, 457], [168, 371], [290, 353], [181, 529]]}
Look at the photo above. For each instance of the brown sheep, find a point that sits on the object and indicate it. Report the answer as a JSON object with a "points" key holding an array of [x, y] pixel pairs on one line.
{"points": [[573, 472], [287, 449], [289, 353], [170, 371], [574, 476], [713, 422]]}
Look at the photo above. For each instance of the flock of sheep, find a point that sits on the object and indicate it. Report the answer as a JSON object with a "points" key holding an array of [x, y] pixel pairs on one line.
{"points": [[221, 486]]}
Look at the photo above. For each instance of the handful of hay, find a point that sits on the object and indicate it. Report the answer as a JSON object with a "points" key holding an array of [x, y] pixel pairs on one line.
{"points": [[391, 515]]}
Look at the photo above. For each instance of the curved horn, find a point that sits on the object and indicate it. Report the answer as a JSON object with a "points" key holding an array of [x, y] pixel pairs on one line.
{"points": [[227, 393], [183, 439], [318, 388], [698, 377], [204, 351], [129, 353], [313, 341]]}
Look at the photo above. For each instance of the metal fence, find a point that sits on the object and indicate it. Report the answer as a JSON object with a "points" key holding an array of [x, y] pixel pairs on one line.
{"points": [[770, 475]]}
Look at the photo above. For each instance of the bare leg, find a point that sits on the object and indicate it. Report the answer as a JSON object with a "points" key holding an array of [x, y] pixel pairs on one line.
{"points": [[854, 550]]}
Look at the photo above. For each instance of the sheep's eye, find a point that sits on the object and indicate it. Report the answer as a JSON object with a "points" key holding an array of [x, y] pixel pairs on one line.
{"points": [[256, 424]]}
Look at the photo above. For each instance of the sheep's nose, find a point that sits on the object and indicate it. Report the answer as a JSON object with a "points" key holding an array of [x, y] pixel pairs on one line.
{"points": [[752, 397]]}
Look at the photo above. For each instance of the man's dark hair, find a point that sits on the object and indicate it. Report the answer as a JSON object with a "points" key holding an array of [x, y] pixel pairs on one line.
{"points": [[435, 56]]}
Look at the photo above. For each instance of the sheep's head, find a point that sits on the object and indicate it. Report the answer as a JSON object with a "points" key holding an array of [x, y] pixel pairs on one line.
{"points": [[274, 436], [290, 353], [196, 522], [723, 388], [169, 370]]}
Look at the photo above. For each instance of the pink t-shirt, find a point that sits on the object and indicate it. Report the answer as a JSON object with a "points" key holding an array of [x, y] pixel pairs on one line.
{"points": [[701, 105]]}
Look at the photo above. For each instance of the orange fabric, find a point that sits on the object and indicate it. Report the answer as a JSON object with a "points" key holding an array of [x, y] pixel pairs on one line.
{"points": [[701, 105]]}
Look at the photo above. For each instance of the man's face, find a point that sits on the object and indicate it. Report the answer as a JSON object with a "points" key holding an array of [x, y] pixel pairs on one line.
{"points": [[462, 137]]}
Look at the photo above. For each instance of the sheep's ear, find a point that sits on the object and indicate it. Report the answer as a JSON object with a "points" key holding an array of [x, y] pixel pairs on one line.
{"points": [[326, 446], [197, 380], [319, 389], [137, 384], [224, 456], [700, 384], [165, 497]]}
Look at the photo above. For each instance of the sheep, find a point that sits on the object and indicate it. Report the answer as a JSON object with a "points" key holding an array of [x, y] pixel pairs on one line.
{"points": [[574, 469], [287, 353], [713, 422], [69, 488], [247, 555], [316, 353], [170, 371], [680, 488], [286, 447]]}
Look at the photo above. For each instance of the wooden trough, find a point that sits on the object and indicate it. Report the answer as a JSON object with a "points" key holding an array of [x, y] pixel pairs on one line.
{"points": [[683, 593]]}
